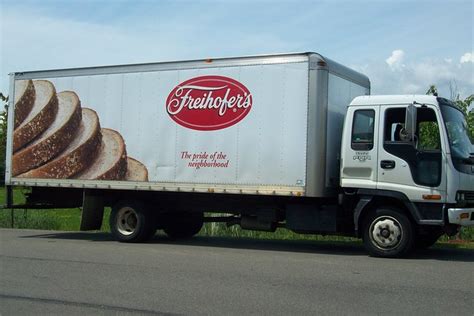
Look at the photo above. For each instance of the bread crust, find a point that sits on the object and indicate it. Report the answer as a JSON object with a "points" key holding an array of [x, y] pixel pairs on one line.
{"points": [[40, 122], [132, 174], [24, 103], [38, 153], [118, 169], [77, 160]]}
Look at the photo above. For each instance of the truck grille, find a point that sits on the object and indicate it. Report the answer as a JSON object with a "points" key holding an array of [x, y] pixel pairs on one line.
{"points": [[467, 196]]}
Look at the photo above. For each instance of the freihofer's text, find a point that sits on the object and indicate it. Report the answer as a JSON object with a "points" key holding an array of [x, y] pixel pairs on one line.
{"points": [[182, 99]]}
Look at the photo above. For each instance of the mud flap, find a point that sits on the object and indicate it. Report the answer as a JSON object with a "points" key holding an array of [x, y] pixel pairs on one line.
{"points": [[9, 189], [92, 211]]}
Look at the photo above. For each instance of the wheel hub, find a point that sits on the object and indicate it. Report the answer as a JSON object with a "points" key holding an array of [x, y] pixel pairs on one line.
{"points": [[386, 232], [127, 221]]}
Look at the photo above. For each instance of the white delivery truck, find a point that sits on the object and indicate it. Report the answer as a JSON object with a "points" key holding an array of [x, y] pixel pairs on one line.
{"points": [[272, 141]]}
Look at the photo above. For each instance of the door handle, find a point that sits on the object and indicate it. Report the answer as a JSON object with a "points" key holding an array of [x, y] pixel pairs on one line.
{"points": [[387, 164]]}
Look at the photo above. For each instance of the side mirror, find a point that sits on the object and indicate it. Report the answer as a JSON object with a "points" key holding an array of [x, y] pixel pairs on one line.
{"points": [[410, 124]]}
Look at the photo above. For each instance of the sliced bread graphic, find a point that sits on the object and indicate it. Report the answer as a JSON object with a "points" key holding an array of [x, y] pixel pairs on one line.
{"points": [[54, 139], [136, 171], [78, 155], [24, 100], [40, 117], [111, 160]]}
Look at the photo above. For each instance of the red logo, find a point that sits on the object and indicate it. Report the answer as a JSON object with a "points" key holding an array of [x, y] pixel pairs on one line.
{"points": [[209, 103]]}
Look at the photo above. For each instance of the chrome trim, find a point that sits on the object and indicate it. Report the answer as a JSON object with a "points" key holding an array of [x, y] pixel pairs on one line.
{"points": [[162, 66], [455, 213], [316, 141], [10, 123], [164, 186]]}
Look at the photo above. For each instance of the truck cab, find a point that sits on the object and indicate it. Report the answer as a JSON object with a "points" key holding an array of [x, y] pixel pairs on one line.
{"points": [[410, 161]]}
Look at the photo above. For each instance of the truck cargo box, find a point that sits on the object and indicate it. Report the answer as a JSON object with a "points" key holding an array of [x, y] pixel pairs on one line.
{"points": [[266, 125]]}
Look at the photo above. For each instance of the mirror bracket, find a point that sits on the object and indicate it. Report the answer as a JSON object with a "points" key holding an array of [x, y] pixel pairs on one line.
{"points": [[410, 124]]}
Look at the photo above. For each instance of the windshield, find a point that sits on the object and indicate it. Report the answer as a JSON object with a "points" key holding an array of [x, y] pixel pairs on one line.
{"points": [[461, 145]]}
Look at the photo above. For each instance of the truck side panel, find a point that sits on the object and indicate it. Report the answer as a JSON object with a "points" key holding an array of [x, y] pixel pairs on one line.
{"points": [[265, 150]]}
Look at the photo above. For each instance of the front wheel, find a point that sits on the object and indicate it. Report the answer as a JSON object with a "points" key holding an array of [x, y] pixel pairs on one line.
{"points": [[130, 221], [388, 233]]}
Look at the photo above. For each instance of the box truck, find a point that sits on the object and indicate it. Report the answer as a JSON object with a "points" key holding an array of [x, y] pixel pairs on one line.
{"points": [[290, 140]]}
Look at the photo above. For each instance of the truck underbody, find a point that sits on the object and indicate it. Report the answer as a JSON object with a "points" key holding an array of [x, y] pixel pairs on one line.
{"points": [[182, 214]]}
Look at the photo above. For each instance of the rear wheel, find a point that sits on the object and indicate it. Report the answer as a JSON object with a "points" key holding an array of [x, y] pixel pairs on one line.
{"points": [[388, 233], [130, 221], [182, 225]]}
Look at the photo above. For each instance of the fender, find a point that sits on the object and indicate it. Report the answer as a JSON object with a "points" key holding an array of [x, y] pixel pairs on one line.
{"points": [[368, 195]]}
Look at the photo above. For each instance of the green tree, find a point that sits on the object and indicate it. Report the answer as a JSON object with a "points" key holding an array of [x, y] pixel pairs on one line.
{"points": [[429, 131], [463, 104], [3, 136], [432, 90]]}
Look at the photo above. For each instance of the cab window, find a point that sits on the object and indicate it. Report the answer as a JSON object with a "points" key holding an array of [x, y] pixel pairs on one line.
{"points": [[363, 130], [423, 155]]}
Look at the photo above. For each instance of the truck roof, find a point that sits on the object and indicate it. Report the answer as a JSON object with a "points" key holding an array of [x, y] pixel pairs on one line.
{"points": [[393, 99], [317, 61]]}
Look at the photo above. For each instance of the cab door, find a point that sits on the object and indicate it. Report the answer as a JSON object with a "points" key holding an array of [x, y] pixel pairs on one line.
{"points": [[413, 167], [359, 148]]}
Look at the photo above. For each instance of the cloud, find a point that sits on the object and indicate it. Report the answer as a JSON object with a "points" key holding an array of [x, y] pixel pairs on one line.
{"points": [[33, 39], [467, 58], [395, 60], [400, 74]]}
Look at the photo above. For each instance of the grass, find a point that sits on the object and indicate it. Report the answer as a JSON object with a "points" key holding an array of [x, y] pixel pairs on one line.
{"points": [[221, 229], [69, 220], [52, 219]]}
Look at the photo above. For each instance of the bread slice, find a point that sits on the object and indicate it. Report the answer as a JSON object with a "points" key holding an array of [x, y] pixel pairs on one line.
{"points": [[54, 139], [111, 160], [40, 117], [136, 171], [24, 100], [77, 155]]}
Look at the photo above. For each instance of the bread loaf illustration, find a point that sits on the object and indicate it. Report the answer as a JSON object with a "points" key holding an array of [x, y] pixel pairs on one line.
{"points": [[55, 138], [110, 162], [136, 171], [40, 117], [77, 155], [25, 96]]}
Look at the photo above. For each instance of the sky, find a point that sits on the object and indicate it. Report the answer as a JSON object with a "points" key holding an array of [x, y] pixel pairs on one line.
{"points": [[402, 46]]}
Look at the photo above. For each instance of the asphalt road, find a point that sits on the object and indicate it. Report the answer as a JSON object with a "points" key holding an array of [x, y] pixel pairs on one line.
{"points": [[87, 273]]}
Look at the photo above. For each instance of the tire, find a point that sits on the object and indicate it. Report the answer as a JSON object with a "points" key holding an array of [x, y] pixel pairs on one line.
{"points": [[130, 221], [388, 233], [183, 225]]}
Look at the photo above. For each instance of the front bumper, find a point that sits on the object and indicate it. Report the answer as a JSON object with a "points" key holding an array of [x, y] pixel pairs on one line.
{"points": [[461, 216]]}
